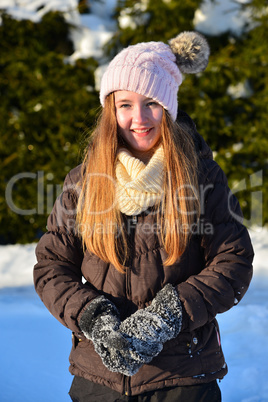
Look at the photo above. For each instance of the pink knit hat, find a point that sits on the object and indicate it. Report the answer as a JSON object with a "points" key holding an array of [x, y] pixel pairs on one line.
{"points": [[154, 69]]}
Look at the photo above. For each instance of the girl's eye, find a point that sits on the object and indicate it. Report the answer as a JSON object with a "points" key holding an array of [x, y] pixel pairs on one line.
{"points": [[124, 105], [152, 103]]}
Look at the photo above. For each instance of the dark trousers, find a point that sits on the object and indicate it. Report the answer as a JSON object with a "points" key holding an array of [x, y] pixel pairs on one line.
{"points": [[86, 391]]}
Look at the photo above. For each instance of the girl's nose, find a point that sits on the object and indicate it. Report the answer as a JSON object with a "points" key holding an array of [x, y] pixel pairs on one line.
{"points": [[139, 114]]}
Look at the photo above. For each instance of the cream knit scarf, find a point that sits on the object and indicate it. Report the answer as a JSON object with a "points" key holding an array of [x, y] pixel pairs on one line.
{"points": [[138, 186]]}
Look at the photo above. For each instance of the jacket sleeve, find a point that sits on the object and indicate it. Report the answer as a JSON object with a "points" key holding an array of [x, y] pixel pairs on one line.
{"points": [[57, 274], [227, 255]]}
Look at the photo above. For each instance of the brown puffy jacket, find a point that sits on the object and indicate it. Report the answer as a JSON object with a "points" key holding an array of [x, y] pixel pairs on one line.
{"points": [[211, 277]]}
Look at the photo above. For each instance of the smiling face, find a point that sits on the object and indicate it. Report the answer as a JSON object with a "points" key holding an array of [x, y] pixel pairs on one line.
{"points": [[139, 121]]}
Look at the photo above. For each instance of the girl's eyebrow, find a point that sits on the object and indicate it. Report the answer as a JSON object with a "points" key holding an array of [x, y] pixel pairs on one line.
{"points": [[123, 100]]}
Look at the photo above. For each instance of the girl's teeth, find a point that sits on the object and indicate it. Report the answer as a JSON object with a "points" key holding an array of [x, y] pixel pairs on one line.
{"points": [[141, 131]]}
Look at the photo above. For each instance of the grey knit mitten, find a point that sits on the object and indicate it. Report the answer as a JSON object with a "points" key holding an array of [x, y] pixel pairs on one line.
{"points": [[125, 347], [100, 323], [148, 329], [100, 314]]}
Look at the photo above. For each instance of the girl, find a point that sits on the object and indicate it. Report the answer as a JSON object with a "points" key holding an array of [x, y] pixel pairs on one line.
{"points": [[145, 246]]}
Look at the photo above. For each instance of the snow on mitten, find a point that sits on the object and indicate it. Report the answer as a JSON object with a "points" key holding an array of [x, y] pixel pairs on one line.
{"points": [[99, 323], [148, 329]]}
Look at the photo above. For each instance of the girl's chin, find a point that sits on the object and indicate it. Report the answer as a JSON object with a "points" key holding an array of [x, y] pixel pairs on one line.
{"points": [[144, 154], [142, 149]]}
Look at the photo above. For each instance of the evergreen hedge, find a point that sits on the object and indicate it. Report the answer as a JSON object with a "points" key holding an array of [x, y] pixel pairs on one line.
{"points": [[47, 104]]}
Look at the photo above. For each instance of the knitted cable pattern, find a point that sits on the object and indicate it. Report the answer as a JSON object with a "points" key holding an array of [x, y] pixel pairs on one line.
{"points": [[139, 186]]}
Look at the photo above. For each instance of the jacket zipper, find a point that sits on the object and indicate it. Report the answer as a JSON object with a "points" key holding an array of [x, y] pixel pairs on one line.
{"points": [[132, 229], [126, 385]]}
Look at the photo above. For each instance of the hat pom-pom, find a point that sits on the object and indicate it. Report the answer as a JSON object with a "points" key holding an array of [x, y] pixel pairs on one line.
{"points": [[192, 52]]}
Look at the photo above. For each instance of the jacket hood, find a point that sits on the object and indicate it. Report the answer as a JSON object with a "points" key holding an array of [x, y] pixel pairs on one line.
{"points": [[202, 148]]}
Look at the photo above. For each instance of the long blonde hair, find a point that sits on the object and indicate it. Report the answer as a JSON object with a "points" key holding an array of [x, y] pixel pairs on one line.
{"points": [[100, 223]]}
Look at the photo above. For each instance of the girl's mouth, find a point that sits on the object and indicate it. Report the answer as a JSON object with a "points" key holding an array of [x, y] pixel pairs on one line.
{"points": [[141, 132]]}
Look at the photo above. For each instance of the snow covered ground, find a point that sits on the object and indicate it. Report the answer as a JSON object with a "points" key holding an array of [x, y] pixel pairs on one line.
{"points": [[34, 346]]}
